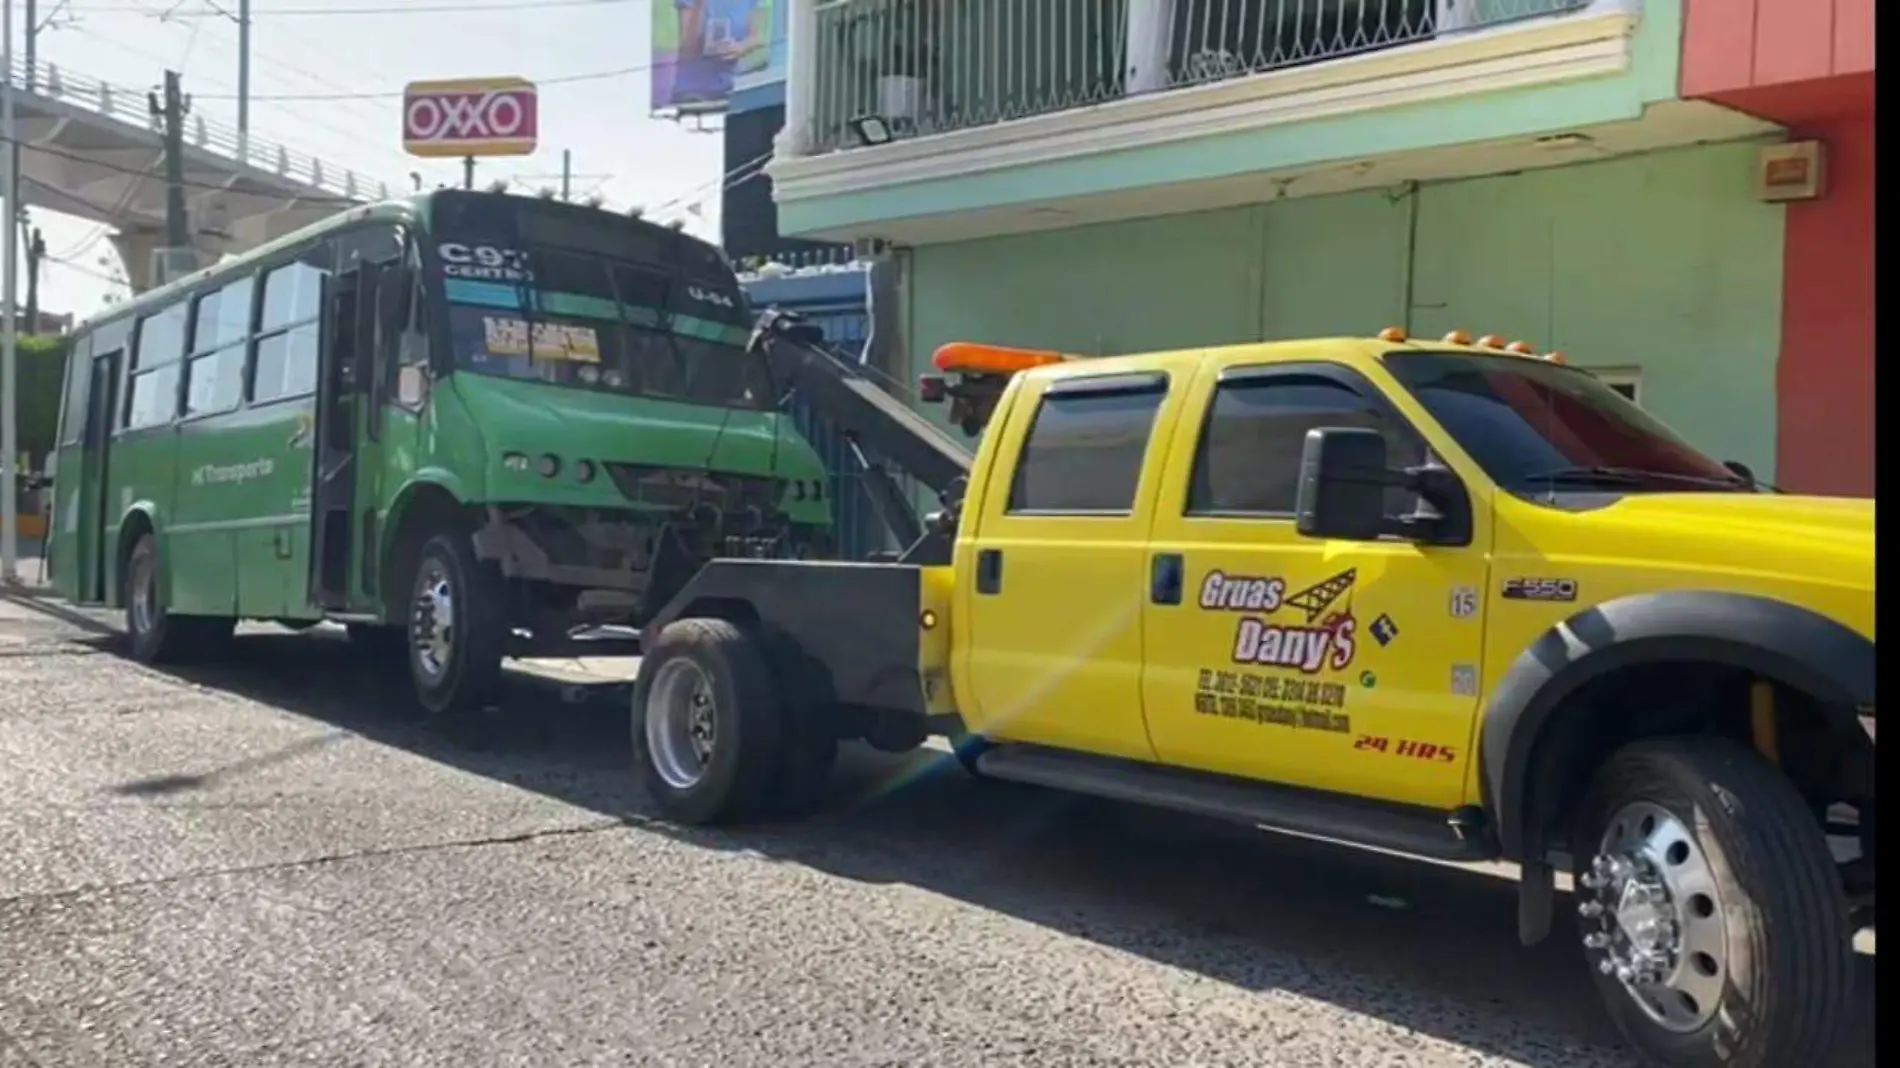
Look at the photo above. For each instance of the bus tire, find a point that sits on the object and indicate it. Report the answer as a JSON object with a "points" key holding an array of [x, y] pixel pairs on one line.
{"points": [[457, 632], [1712, 914], [707, 722], [154, 634]]}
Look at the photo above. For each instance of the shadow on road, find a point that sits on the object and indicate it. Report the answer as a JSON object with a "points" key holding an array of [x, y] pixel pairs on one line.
{"points": [[1423, 947]]}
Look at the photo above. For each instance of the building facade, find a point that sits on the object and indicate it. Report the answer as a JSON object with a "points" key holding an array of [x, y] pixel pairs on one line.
{"points": [[1106, 176]]}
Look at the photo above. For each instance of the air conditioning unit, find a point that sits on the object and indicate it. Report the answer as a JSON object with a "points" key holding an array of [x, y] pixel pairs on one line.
{"points": [[173, 263]]}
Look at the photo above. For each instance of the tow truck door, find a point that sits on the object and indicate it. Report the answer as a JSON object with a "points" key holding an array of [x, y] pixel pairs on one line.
{"points": [[1058, 560], [1337, 665]]}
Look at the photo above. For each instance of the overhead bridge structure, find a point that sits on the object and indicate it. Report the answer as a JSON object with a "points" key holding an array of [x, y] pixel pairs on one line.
{"points": [[95, 151]]}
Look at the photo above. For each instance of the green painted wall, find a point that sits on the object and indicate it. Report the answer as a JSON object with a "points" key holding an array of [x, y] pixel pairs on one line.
{"points": [[1651, 77], [1663, 263]]}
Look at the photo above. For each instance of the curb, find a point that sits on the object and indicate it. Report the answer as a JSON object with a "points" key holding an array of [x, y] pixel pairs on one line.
{"points": [[27, 598]]}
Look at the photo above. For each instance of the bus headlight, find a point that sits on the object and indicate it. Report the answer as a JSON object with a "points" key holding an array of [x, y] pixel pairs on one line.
{"points": [[550, 465], [584, 470], [514, 461]]}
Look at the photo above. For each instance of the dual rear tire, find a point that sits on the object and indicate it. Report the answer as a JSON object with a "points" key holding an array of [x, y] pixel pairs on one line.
{"points": [[727, 726]]}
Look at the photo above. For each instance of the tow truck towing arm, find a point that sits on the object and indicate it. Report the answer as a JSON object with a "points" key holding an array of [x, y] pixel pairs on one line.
{"points": [[882, 431]]}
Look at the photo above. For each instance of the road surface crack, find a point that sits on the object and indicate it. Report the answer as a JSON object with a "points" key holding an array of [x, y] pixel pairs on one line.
{"points": [[199, 874]]}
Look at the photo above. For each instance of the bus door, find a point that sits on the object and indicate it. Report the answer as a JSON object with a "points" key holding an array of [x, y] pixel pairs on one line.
{"points": [[345, 377], [90, 476]]}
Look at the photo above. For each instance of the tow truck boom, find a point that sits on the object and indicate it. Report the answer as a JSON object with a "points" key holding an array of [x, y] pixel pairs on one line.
{"points": [[879, 428]]}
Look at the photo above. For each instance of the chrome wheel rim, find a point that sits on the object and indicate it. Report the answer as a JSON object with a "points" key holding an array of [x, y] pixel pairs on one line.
{"points": [[144, 594], [681, 725], [432, 621], [1652, 917]]}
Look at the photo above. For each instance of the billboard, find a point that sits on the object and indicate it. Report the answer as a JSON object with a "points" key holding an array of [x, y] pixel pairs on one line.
{"points": [[700, 47], [470, 117]]}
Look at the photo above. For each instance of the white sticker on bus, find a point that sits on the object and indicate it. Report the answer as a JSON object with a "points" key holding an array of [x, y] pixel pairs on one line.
{"points": [[228, 474]]}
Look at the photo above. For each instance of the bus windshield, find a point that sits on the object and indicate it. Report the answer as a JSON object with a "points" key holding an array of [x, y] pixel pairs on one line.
{"points": [[570, 305]]}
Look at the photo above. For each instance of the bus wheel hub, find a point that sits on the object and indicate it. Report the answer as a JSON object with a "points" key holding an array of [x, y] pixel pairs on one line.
{"points": [[433, 622]]}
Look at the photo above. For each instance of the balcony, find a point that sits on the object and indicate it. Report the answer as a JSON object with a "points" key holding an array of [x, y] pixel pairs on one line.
{"points": [[894, 69], [918, 122]]}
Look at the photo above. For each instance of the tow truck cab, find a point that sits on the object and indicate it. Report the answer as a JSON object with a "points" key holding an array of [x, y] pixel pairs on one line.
{"points": [[1453, 599]]}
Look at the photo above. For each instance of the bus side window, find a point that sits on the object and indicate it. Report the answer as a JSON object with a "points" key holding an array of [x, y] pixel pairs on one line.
{"points": [[152, 395], [72, 415]]}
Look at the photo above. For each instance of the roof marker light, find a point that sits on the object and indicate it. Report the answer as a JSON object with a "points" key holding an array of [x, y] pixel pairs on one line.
{"points": [[1458, 337], [1393, 333], [1522, 348], [976, 358], [1556, 357], [1491, 341]]}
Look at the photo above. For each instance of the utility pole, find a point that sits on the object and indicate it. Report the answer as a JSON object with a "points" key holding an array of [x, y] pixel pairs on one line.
{"points": [[35, 255], [567, 174], [32, 31], [9, 343], [171, 112], [244, 80]]}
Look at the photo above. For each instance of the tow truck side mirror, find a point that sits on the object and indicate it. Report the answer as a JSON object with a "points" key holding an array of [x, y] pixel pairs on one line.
{"points": [[1343, 478]]}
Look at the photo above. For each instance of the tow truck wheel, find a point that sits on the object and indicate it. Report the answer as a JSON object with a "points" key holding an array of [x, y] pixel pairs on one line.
{"points": [[808, 745], [457, 627], [707, 722], [1712, 916]]}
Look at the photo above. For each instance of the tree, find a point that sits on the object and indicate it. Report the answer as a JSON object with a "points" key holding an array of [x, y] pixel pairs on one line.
{"points": [[42, 375]]}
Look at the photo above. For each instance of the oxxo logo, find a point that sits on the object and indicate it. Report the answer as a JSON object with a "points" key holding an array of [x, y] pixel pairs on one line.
{"points": [[487, 117]]}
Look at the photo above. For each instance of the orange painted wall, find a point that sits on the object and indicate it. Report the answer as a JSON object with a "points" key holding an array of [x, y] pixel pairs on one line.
{"points": [[1732, 46]]}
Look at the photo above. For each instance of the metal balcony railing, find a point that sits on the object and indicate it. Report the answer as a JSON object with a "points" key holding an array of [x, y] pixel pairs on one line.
{"points": [[130, 106], [930, 66]]}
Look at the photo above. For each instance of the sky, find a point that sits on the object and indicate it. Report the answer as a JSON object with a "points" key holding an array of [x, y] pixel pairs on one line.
{"points": [[314, 48]]}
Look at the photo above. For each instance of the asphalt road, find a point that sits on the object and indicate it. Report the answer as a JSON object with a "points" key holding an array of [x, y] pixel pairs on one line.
{"points": [[273, 863]]}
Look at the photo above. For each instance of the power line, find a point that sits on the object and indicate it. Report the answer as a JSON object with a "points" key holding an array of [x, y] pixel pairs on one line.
{"points": [[394, 94], [458, 7]]}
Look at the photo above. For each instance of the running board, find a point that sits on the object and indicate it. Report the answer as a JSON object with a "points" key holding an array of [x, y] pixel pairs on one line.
{"points": [[1459, 835]]}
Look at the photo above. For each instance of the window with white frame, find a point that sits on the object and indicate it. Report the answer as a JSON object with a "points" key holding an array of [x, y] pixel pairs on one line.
{"points": [[1625, 380]]}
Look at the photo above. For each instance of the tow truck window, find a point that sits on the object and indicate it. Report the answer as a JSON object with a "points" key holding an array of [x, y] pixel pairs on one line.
{"points": [[1538, 427], [1248, 463], [1084, 453]]}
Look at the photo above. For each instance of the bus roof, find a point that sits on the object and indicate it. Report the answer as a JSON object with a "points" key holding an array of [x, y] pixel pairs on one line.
{"points": [[398, 210], [403, 209]]}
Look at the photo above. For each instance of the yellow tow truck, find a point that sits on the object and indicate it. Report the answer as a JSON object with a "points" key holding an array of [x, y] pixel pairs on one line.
{"points": [[1451, 598]]}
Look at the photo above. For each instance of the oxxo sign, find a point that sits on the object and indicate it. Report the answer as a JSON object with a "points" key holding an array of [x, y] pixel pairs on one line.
{"points": [[473, 117]]}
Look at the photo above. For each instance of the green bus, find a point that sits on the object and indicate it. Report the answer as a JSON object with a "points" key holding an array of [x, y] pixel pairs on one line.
{"points": [[467, 425]]}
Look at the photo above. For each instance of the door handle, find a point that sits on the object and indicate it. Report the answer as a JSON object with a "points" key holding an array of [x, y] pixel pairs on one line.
{"points": [[1164, 578], [989, 571]]}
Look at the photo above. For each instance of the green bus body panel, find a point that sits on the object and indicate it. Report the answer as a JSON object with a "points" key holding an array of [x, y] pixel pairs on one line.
{"points": [[533, 419], [229, 494]]}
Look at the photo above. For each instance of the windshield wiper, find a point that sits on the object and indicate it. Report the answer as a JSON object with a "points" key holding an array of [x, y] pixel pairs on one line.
{"points": [[1627, 476]]}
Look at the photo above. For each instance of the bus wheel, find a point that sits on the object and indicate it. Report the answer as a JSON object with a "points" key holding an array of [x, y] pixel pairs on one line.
{"points": [[1711, 913], [155, 635], [458, 628]]}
